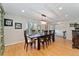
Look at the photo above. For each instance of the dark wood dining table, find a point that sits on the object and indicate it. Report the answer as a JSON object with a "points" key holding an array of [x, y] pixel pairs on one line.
{"points": [[37, 36]]}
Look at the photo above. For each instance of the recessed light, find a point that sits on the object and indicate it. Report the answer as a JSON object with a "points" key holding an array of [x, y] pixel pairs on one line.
{"points": [[66, 15], [60, 8], [75, 16], [22, 10]]}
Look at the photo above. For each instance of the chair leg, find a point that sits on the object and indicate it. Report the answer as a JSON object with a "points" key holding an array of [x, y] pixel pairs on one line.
{"points": [[27, 47], [43, 45], [24, 45], [53, 39], [35, 44], [50, 41], [46, 44], [31, 44]]}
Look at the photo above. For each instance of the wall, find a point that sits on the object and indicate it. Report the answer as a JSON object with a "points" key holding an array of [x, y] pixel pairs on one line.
{"points": [[59, 28], [69, 29], [65, 25], [11, 34]]}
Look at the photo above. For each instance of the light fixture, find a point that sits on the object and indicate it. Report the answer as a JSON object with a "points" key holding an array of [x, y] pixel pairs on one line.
{"points": [[43, 22], [59, 22], [60, 8], [23, 11], [43, 19], [43, 15]]}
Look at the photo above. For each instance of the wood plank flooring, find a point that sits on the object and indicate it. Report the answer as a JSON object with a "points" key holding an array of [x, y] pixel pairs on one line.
{"points": [[60, 47]]}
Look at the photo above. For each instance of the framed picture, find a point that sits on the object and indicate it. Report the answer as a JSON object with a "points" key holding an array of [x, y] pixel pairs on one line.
{"points": [[18, 25], [8, 22], [76, 25], [72, 25]]}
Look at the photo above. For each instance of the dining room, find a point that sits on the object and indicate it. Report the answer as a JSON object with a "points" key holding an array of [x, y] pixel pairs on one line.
{"points": [[39, 29]]}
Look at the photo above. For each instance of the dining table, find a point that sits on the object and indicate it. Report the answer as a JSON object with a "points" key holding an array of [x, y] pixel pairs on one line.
{"points": [[38, 37]]}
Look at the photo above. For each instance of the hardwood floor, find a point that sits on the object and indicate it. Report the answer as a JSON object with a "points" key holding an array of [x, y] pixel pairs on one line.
{"points": [[61, 47]]}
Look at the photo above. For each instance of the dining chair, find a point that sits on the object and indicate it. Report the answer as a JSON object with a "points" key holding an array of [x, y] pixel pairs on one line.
{"points": [[53, 36], [50, 36], [42, 41], [28, 41], [46, 38]]}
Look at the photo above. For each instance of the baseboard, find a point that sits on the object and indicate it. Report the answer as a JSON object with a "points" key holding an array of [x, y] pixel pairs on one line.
{"points": [[14, 43]]}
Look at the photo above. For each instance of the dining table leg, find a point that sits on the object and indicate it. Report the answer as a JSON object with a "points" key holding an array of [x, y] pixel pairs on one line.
{"points": [[38, 44]]}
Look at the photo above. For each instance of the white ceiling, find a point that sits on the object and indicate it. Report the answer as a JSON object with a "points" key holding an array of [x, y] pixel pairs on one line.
{"points": [[70, 11]]}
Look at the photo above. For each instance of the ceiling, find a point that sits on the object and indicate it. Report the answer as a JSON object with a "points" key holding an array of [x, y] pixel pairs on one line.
{"points": [[53, 11]]}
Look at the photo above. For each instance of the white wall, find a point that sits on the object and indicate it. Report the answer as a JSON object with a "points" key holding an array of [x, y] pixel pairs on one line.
{"points": [[59, 28], [65, 25], [12, 35], [69, 29]]}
